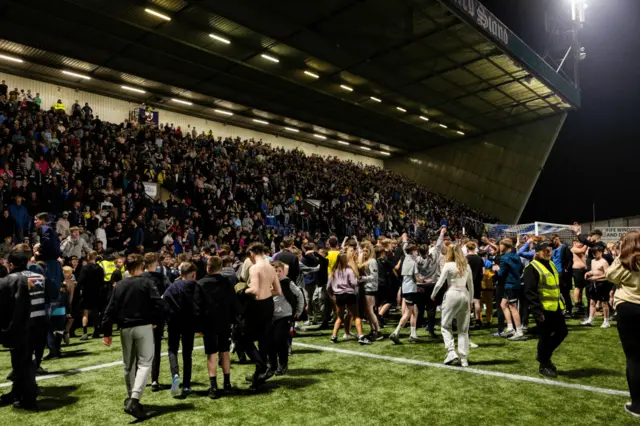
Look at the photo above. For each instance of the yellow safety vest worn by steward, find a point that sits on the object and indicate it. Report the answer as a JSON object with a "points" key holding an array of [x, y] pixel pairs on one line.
{"points": [[58, 106], [548, 286], [109, 268]]}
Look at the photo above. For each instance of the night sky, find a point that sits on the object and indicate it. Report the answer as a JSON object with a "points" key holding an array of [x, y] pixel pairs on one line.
{"points": [[596, 158]]}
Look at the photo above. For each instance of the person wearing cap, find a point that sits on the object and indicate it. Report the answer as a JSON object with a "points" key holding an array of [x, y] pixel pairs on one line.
{"points": [[63, 227], [542, 288]]}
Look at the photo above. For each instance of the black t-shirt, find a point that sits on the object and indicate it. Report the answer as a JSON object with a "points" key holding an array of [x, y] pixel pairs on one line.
{"points": [[476, 263], [3, 89]]}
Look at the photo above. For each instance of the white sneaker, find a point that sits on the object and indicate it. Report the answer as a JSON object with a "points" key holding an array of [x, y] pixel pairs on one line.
{"points": [[307, 323], [472, 345], [518, 336], [588, 322], [508, 333], [451, 358], [525, 328], [605, 325], [346, 336], [175, 385], [464, 362]]}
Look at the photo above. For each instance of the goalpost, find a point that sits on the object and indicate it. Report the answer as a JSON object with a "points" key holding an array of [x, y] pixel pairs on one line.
{"points": [[499, 231]]}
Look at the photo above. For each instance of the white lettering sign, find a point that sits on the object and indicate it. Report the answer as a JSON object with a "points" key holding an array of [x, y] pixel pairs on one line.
{"points": [[612, 235], [151, 189], [485, 19]]}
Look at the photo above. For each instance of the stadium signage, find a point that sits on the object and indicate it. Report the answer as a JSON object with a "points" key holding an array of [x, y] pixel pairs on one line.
{"points": [[612, 235], [485, 19]]}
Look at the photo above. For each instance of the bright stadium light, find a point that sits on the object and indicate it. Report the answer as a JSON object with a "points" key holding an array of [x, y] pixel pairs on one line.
{"points": [[270, 58], [401, 109], [260, 121], [223, 112], [10, 58], [158, 14], [385, 153], [350, 89], [319, 136], [310, 74], [460, 132], [73, 74], [366, 148], [133, 89], [291, 129], [343, 143], [180, 101], [422, 117], [373, 98], [444, 126], [221, 39]]}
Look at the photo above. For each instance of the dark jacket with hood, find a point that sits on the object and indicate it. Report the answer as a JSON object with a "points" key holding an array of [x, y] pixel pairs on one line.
{"points": [[215, 305], [510, 270]]}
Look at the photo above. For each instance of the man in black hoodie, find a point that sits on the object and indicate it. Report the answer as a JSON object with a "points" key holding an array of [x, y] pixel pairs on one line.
{"points": [[15, 309], [158, 279], [91, 288], [135, 305], [215, 306], [180, 325]]}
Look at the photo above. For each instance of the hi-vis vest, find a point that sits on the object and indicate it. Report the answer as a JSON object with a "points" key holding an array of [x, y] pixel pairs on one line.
{"points": [[109, 268], [58, 106], [548, 286]]}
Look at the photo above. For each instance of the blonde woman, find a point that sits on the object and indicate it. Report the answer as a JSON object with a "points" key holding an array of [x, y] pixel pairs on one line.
{"points": [[369, 282], [456, 304], [342, 288]]}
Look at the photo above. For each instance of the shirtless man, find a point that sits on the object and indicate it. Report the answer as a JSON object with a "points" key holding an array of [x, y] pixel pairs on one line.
{"points": [[263, 285], [600, 287], [579, 251]]}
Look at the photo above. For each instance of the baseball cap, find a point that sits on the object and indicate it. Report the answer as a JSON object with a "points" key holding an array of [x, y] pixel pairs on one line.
{"points": [[542, 246]]}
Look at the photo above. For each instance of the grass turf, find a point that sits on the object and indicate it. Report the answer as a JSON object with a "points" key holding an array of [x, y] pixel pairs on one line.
{"points": [[323, 388]]}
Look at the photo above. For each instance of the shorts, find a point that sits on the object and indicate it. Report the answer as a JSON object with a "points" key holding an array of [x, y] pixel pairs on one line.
{"points": [[386, 294], [346, 299], [371, 293], [410, 298], [215, 343], [477, 290], [512, 295], [578, 278], [599, 291]]}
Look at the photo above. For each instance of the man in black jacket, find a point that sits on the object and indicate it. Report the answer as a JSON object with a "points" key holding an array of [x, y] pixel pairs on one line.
{"points": [[91, 288], [158, 279], [215, 306], [180, 325], [287, 257], [135, 305], [563, 259], [15, 309]]}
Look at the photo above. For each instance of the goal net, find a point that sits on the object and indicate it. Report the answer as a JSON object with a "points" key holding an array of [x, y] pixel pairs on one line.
{"points": [[499, 231]]}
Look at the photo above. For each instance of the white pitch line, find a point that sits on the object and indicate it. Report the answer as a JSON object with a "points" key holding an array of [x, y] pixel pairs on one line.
{"points": [[467, 370], [84, 369], [384, 358]]}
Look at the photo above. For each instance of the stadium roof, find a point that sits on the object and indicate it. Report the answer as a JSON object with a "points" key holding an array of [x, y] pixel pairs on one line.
{"points": [[398, 76]]}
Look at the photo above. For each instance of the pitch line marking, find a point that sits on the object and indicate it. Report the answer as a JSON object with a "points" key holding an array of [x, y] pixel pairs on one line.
{"points": [[85, 369], [467, 370], [499, 374]]}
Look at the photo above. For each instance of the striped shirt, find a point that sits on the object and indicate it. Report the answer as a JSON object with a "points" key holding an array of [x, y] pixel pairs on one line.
{"points": [[37, 295]]}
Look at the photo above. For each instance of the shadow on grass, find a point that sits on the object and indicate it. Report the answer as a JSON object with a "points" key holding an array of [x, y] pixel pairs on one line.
{"points": [[581, 373], [308, 371], [153, 411], [74, 354], [322, 333], [493, 362], [302, 351], [56, 397]]}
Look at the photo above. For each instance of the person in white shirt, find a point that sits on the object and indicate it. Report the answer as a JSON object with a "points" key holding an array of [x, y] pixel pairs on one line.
{"points": [[456, 304], [63, 226]]}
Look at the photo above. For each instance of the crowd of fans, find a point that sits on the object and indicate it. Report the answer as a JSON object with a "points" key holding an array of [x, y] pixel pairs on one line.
{"points": [[248, 243], [229, 191]]}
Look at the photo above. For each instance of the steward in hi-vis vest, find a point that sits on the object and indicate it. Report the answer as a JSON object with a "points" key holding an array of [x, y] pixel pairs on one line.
{"points": [[542, 288]]}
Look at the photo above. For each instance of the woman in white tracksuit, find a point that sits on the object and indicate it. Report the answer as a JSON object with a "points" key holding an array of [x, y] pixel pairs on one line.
{"points": [[456, 304]]}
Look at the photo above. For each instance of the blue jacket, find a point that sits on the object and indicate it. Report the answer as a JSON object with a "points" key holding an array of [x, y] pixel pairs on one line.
{"points": [[49, 244], [510, 270], [526, 252], [20, 214]]}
